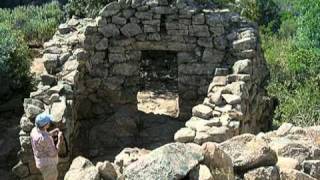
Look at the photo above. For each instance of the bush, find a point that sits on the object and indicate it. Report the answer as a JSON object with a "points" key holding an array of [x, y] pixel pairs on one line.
{"points": [[264, 12], [14, 58], [85, 8], [36, 23]]}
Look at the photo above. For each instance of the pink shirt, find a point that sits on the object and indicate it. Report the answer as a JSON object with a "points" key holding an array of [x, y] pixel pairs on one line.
{"points": [[44, 151]]}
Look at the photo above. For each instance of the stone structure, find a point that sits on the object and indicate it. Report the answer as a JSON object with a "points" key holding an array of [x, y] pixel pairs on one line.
{"points": [[93, 77]]}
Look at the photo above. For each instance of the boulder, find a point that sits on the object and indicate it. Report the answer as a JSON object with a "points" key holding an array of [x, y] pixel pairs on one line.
{"points": [[200, 172], [128, 156], [219, 163], [248, 152], [171, 161], [82, 169], [292, 174], [107, 170], [263, 173], [312, 167], [286, 147], [288, 163]]}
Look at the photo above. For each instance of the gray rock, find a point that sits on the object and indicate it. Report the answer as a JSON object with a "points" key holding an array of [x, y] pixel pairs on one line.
{"points": [[125, 69], [131, 29], [202, 111], [107, 170], [21, 170], [212, 55], [109, 30], [158, 164], [128, 156], [48, 79], [219, 162], [184, 135], [242, 66], [263, 173], [312, 167], [200, 124], [200, 172], [249, 152], [244, 44], [25, 124], [110, 9], [292, 174], [58, 110], [50, 62], [102, 45], [64, 29], [82, 169], [231, 99], [118, 20]]}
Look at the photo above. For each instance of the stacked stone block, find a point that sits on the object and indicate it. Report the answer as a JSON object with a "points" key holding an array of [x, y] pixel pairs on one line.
{"points": [[235, 102]]}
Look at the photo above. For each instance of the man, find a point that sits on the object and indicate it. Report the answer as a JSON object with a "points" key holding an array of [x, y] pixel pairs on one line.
{"points": [[44, 150]]}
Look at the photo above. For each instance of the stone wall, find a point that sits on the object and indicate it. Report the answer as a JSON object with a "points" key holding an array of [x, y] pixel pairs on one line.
{"points": [[93, 77]]}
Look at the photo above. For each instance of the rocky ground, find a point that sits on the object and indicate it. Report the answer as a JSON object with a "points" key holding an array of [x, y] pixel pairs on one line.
{"points": [[289, 153]]}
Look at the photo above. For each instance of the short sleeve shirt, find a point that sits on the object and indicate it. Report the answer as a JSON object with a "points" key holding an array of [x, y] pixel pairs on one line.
{"points": [[44, 150]]}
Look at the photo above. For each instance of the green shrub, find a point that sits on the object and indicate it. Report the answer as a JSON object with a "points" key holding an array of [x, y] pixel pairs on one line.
{"points": [[85, 8], [36, 23], [264, 12], [14, 57]]}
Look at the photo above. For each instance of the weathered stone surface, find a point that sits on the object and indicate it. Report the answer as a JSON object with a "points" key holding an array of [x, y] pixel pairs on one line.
{"points": [[200, 172], [158, 164], [292, 174], [312, 167], [57, 110], [109, 30], [231, 99], [21, 170], [202, 111], [128, 156], [110, 9], [107, 170], [219, 163], [288, 163], [287, 148], [242, 66], [196, 123], [284, 129], [82, 169], [25, 124], [263, 173], [248, 152], [131, 29], [184, 135]]}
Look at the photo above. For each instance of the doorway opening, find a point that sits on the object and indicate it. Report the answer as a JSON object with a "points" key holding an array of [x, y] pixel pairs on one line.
{"points": [[158, 92]]}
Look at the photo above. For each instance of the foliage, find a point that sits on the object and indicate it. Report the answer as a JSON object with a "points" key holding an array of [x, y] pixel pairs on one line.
{"points": [[36, 23], [264, 12], [308, 34], [85, 8], [14, 57], [293, 55]]}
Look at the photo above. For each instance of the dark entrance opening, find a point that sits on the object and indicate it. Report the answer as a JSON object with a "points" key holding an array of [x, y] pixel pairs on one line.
{"points": [[159, 83]]}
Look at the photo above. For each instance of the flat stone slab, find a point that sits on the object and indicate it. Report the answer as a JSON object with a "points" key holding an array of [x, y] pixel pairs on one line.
{"points": [[171, 161]]}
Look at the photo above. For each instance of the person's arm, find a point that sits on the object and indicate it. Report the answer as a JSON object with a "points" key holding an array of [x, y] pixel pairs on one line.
{"points": [[60, 140], [54, 132]]}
